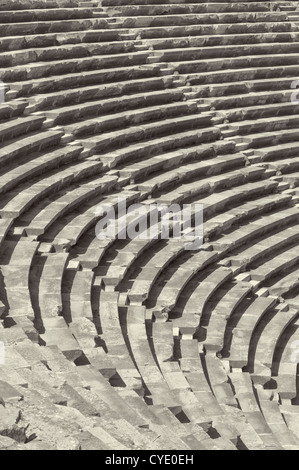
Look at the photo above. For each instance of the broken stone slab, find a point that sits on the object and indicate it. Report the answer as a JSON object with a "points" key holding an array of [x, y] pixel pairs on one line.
{"points": [[9, 393]]}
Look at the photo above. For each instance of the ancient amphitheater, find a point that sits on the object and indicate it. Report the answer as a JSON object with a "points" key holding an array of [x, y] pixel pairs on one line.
{"points": [[131, 344]]}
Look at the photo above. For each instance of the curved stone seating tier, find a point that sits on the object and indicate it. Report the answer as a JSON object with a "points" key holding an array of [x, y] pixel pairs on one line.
{"points": [[265, 246], [38, 70], [172, 31], [38, 165], [284, 366], [43, 86], [201, 40], [48, 54], [15, 203], [67, 203], [204, 18], [196, 54], [29, 4], [215, 81], [53, 14], [245, 395], [266, 344], [215, 317], [284, 286], [131, 344], [272, 413], [186, 8], [152, 92], [17, 257]]}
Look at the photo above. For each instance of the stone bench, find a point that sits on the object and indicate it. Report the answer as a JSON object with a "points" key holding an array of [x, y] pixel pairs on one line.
{"points": [[12, 109], [276, 137], [213, 184], [225, 307], [284, 371], [16, 202], [68, 202], [218, 152], [104, 97], [229, 51], [254, 61], [159, 145], [223, 29], [198, 380], [17, 127], [107, 394], [244, 329], [271, 124], [173, 285], [117, 351], [258, 228], [201, 291], [270, 153], [218, 202], [245, 100], [53, 14], [67, 235], [57, 26], [36, 4], [159, 391], [46, 85], [153, 265], [36, 142], [232, 87], [255, 78], [219, 224], [38, 165], [274, 266], [16, 272], [58, 334], [245, 394], [205, 18], [203, 168], [282, 286], [147, 131], [271, 334], [50, 286], [200, 40], [77, 297], [182, 9], [147, 116], [219, 381], [264, 247], [64, 52], [60, 67], [288, 165], [276, 422]]}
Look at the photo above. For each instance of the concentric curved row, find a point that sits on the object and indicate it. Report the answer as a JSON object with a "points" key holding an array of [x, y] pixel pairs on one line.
{"points": [[141, 344]]}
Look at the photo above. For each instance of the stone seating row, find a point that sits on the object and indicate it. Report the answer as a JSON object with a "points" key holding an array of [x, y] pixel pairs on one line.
{"points": [[17, 127], [37, 4], [39, 164], [185, 8], [44, 14], [128, 122], [65, 52], [156, 146], [200, 18], [246, 397], [88, 78], [59, 67], [103, 94], [11, 43], [16, 202]]}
